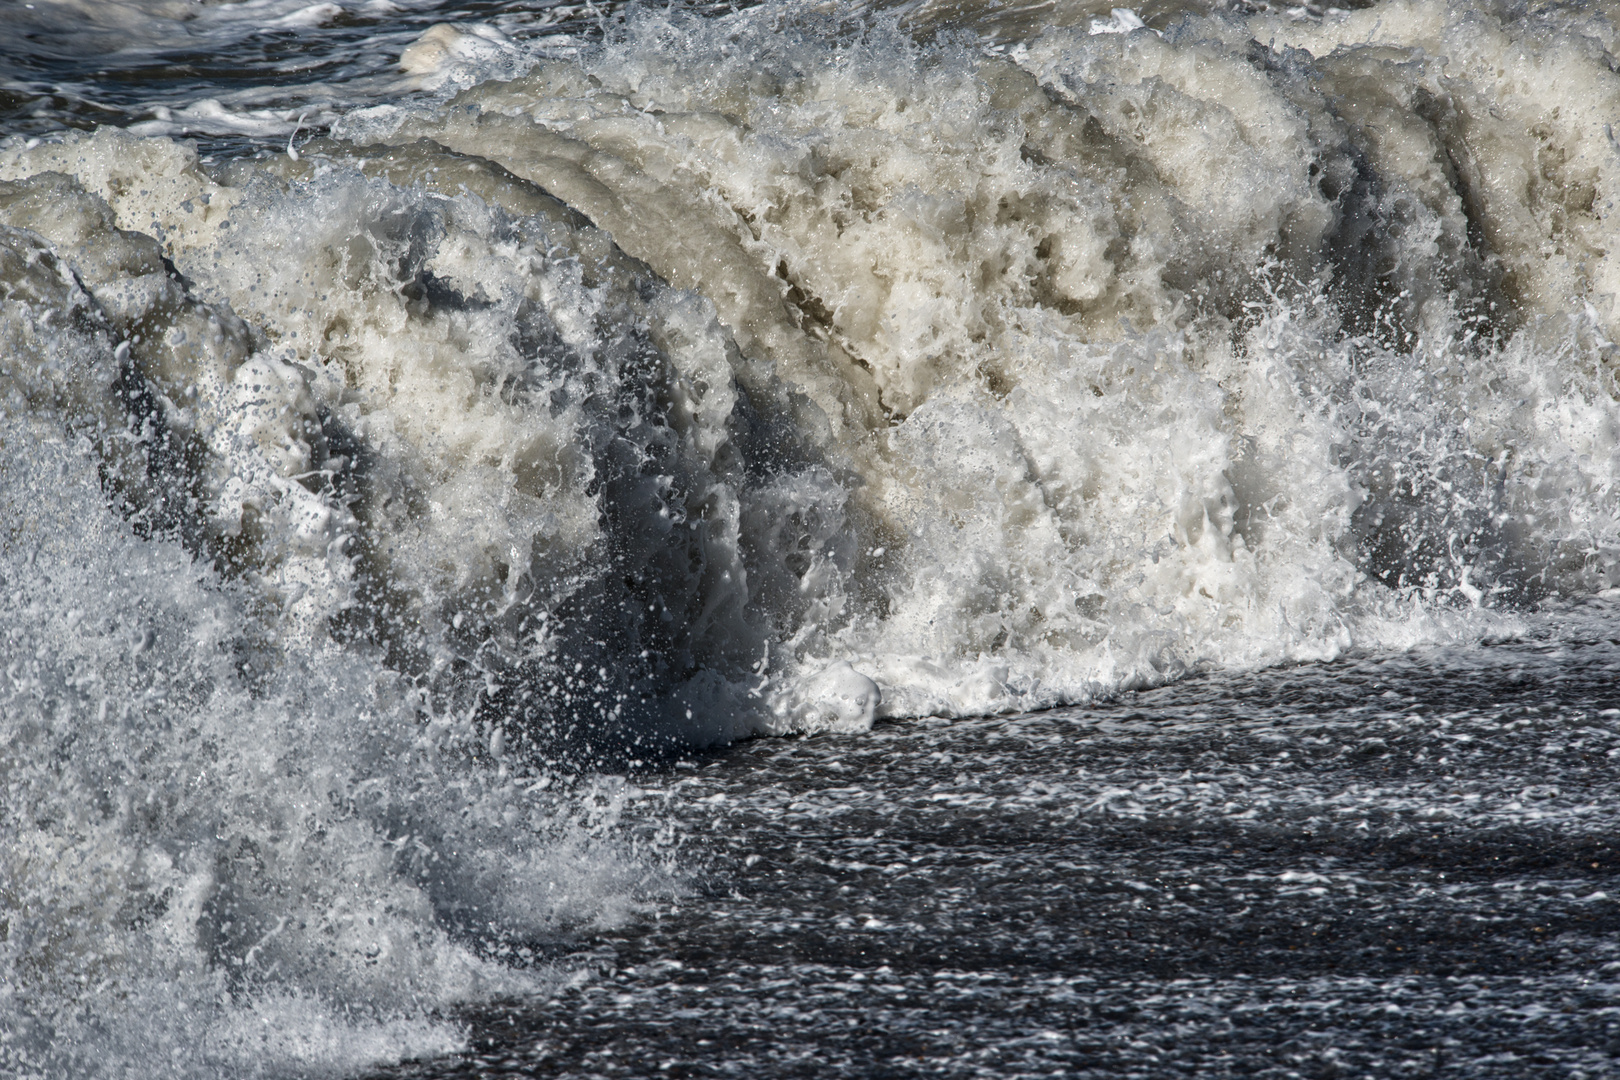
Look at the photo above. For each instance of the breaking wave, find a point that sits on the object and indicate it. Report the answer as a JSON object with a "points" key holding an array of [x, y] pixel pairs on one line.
{"points": [[765, 373]]}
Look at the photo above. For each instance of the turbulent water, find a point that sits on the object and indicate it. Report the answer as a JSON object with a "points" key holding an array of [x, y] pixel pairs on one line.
{"points": [[417, 419]]}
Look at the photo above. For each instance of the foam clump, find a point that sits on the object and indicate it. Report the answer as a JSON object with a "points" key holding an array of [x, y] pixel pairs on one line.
{"points": [[838, 699], [442, 47]]}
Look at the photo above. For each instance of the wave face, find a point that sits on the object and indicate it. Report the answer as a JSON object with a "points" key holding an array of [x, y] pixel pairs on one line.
{"points": [[737, 375]]}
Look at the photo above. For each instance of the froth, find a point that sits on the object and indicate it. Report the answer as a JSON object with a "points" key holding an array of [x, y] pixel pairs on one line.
{"points": [[1129, 352], [1147, 349]]}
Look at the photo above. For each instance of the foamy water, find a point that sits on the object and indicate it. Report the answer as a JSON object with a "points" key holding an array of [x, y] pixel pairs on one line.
{"points": [[539, 406]]}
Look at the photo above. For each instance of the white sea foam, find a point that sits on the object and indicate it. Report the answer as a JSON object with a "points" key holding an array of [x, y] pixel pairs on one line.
{"points": [[759, 374], [1130, 353], [1144, 354]]}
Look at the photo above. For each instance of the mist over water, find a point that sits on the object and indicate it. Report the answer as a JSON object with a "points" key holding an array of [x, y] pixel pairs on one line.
{"points": [[417, 418]]}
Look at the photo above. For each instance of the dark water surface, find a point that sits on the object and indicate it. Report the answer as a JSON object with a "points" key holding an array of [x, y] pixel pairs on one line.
{"points": [[1398, 866]]}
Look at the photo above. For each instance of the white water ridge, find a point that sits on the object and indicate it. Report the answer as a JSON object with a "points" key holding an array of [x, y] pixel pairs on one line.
{"points": [[758, 374]]}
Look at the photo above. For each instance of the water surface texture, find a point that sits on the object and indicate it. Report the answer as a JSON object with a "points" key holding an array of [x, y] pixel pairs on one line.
{"points": [[1397, 866], [433, 438]]}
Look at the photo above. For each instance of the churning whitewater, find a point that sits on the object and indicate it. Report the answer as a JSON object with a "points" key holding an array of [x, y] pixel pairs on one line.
{"points": [[562, 402]]}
